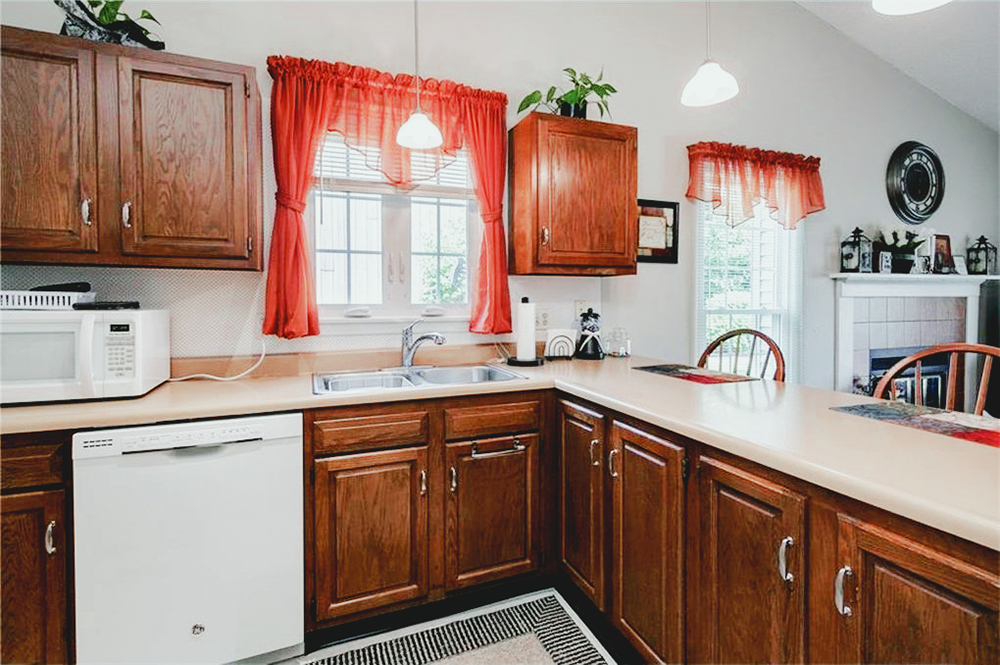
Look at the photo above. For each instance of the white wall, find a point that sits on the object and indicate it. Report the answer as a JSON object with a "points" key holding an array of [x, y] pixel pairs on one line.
{"points": [[805, 88]]}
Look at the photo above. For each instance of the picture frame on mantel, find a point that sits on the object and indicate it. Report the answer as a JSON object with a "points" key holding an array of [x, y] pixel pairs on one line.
{"points": [[658, 222], [942, 262]]}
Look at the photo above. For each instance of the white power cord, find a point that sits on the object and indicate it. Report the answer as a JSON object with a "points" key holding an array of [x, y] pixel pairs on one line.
{"points": [[263, 352]]}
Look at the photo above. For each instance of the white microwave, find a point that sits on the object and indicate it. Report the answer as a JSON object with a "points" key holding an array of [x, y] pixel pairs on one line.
{"points": [[59, 355]]}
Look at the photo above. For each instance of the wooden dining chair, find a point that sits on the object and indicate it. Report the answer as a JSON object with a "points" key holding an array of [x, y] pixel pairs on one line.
{"points": [[729, 346], [888, 383]]}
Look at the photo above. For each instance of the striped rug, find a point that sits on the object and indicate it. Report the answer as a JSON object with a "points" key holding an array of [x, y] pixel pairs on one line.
{"points": [[534, 629]]}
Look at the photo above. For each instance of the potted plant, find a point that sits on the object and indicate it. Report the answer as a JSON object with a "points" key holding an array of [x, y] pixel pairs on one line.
{"points": [[572, 102], [102, 21], [903, 248]]}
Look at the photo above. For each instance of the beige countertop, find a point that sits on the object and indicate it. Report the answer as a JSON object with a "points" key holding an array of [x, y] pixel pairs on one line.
{"points": [[944, 482]]}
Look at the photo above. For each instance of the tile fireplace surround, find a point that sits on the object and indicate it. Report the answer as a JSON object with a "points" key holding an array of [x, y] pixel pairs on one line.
{"points": [[877, 311]]}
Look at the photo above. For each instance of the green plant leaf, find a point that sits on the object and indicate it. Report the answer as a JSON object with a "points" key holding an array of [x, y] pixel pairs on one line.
{"points": [[146, 14], [109, 12], [94, 4], [610, 88], [572, 74], [532, 98], [550, 97]]}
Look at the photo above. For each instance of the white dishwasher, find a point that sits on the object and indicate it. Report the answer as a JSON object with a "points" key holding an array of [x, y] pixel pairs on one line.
{"points": [[188, 542]]}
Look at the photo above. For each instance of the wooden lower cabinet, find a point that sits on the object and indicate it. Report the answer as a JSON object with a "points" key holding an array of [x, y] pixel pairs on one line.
{"points": [[647, 555], [491, 524], [33, 565], [750, 571], [581, 498], [371, 530], [902, 602]]}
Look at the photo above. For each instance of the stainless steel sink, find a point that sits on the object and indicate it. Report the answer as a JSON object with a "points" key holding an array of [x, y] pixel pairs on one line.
{"points": [[464, 375], [336, 382]]}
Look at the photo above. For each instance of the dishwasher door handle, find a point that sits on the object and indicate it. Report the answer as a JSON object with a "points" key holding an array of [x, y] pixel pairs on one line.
{"points": [[198, 446]]}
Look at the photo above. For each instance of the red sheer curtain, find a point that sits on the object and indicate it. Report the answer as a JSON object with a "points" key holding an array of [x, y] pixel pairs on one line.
{"points": [[367, 107], [734, 177]]}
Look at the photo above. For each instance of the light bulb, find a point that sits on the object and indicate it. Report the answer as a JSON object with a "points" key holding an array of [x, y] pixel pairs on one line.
{"points": [[901, 7], [711, 84], [418, 133]]}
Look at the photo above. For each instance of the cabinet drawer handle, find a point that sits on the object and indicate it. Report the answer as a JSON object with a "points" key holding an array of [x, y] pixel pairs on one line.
{"points": [[85, 212], [423, 483], [611, 459], [127, 214], [516, 448], [454, 479], [838, 591], [595, 460], [545, 235], [50, 545], [786, 542]]}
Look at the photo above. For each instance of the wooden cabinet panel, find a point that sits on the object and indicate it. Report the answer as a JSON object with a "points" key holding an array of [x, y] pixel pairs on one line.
{"points": [[467, 422], [573, 197], [751, 608], [33, 460], [184, 155], [34, 608], [492, 509], [911, 604], [647, 561], [49, 143], [581, 498], [371, 530], [356, 433]]}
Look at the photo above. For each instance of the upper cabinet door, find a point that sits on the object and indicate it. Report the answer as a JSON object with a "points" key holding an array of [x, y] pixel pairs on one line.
{"points": [[49, 143], [184, 160]]}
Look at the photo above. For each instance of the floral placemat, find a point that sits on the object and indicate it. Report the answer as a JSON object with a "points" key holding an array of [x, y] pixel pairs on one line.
{"points": [[981, 429], [695, 374]]}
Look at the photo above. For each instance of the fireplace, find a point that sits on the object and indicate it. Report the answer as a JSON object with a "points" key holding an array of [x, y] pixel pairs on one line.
{"points": [[933, 375]]}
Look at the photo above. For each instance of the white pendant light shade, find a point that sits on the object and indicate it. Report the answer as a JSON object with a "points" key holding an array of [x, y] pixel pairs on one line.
{"points": [[418, 133], [711, 84], [901, 7]]}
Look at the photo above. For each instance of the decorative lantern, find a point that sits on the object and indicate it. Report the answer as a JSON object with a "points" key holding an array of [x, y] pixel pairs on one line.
{"points": [[981, 257], [856, 253]]}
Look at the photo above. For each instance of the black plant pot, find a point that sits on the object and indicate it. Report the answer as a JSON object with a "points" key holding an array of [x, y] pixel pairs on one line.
{"points": [[573, 110]]}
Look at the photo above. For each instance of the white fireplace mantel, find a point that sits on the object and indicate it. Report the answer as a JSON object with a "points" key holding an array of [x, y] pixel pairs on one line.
{"points": [[878, 285]]}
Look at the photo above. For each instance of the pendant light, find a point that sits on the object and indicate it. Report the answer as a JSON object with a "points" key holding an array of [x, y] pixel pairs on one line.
{"points": [[418, 132], [711, 84], [902, 7]]}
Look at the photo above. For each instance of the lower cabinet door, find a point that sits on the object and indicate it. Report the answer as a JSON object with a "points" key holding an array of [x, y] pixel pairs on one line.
{"points": [[371, 530], [492, 509], [902, 602], [751, 569], [33, 564], [647, 562]]}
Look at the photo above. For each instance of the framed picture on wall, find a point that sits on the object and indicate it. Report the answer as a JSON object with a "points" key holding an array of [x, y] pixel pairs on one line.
{"points": [[942, 262], [658, 222]]}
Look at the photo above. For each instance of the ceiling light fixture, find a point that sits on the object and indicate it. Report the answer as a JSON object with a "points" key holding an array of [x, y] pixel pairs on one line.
{"points": [[418, 132], [711, 84], [902, 7]]}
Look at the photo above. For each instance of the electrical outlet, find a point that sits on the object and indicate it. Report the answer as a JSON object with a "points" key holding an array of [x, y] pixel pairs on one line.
{"points": [[541, 318], [579, 307]]}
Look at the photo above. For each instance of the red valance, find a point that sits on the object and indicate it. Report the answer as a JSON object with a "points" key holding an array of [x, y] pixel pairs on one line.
{"points": [[310, 98], [733, 178]]}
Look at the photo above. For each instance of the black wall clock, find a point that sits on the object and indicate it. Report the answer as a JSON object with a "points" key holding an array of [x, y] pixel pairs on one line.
{"points": [[914, 181]]}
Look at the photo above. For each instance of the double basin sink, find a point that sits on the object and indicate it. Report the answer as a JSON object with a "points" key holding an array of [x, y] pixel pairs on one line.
{"points": [[388, 379]]}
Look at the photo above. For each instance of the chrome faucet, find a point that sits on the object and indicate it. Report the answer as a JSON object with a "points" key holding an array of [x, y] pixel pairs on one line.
{"points": [[410, 345]]}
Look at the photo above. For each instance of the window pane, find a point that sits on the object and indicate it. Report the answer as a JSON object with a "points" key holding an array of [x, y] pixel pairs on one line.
{"points": [[423, 227], [425, 279], [366, 223], [454, 280], [331, 221], [331, 278], [366, 279], [455, 229]]}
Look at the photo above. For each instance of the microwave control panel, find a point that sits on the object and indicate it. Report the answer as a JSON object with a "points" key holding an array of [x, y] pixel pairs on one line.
{"points": [[119, 351]]}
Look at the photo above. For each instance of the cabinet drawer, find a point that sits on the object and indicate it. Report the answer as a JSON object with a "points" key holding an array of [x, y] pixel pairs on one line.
{"points": [[473, 421], [389, 430], [32, 463]]}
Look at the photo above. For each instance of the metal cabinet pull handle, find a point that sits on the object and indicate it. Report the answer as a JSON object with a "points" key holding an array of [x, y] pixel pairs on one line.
{"points": [[402, 268], [50, 545], [127, 214], [545, 235], [454, 479], [85, 212], [838, 591], [611, 466], [594, 460], [392, 275], [516, 448], [786, 542], [423, 483]]}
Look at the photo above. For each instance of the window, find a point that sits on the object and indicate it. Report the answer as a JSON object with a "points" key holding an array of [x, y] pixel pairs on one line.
{"points": [[397, 251], [748, 276]]}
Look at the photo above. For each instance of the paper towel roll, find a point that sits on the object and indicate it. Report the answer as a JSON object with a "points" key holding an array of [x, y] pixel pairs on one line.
{"points": [[525, 330]]}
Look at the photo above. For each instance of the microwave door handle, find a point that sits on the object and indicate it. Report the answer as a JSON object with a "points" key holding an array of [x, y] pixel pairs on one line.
{"points": [[86, 349]]}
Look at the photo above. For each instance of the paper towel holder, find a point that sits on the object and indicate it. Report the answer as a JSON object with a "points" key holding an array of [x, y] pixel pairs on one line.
{"points": [[512, 360], [526, 330]]}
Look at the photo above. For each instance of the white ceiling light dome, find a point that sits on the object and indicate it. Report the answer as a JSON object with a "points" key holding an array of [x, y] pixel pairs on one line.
{"points": [[903, 7], [418, 133], [711, 84]]}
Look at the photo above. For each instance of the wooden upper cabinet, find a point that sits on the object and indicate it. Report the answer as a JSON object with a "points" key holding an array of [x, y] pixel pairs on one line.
{"points": [[49, 144], [33, 566], [125, 156], [581, 498], [903, 602], [647, 554], [184, 148], [750, 568], [573, 197]]}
